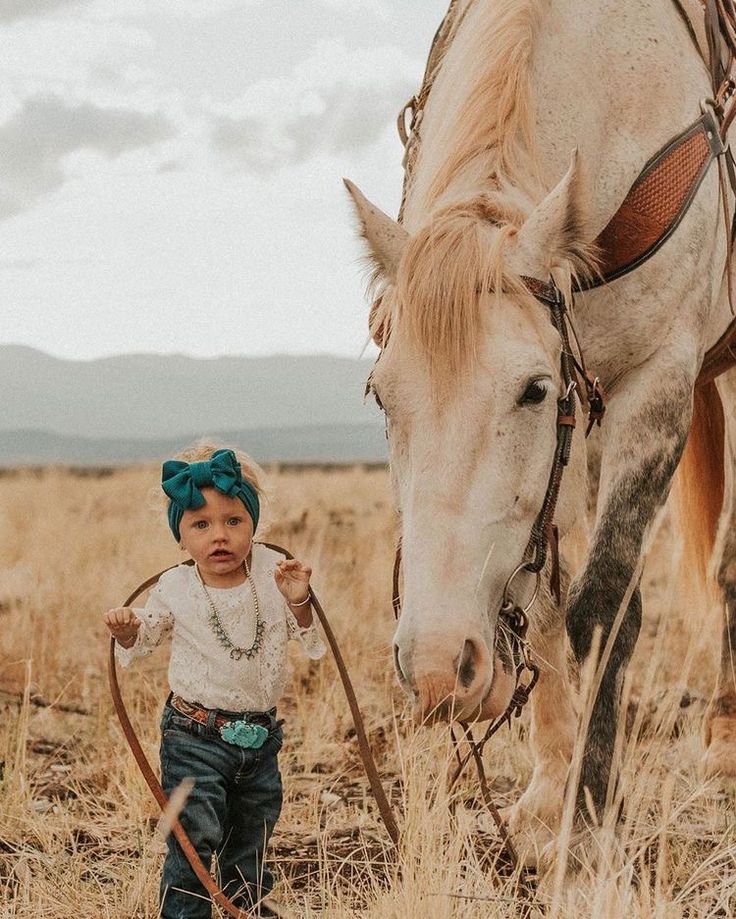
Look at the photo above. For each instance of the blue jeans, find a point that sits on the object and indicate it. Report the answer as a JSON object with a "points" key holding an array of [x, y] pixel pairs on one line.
{"points": [[231, 811]]}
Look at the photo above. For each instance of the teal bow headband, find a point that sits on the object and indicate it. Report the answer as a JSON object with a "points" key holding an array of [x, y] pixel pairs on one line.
{"points": [[182, 482]]}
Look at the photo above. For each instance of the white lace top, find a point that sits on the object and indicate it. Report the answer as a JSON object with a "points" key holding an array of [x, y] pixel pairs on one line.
{"points": [[201, 669]]}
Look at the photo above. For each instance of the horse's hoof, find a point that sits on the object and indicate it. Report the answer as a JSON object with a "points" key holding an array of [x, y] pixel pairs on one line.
{"points": [[530, 831], [590, 854], [719, 759], [578, 855]]}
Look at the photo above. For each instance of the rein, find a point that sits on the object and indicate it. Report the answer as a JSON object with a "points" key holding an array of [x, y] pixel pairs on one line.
{"points": [[514, 623], [153, 783]]}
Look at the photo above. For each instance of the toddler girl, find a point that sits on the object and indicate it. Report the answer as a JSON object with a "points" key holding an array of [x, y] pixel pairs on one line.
{"points": [[229, 616]]}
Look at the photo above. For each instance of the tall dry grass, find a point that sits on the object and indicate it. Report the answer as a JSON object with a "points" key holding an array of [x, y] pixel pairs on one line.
{"points": [[78, 827]]}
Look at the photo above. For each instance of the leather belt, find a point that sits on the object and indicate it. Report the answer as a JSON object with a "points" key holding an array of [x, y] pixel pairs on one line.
{"points": [[203, 715]]}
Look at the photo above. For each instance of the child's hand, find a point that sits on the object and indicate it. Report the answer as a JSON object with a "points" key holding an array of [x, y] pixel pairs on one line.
{"points": [[292, 579], [123, 624]]}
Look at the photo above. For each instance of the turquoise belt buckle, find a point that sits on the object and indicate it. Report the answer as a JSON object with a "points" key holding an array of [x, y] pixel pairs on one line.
{"points": [[244, 734]]}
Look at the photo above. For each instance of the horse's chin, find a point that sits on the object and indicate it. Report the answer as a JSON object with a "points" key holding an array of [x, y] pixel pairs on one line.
{"points": [[499, 695]]}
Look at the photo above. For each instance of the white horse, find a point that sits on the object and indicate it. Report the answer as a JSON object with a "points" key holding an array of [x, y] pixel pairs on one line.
{"points": [[541, 116]]}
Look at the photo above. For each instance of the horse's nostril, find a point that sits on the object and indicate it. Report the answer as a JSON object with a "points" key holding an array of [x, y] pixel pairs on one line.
{"points": [[466, 664]]}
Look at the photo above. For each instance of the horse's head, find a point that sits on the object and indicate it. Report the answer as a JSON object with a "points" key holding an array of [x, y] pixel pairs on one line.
{"points": [[469, 378]]}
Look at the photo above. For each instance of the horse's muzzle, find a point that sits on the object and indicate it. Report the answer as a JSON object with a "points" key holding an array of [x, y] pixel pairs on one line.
{"points": [[469, 686]]}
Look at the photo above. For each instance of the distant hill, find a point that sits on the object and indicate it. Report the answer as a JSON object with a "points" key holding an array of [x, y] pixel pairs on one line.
{"points": [[336, 443], [149, 395], [140, 407]]}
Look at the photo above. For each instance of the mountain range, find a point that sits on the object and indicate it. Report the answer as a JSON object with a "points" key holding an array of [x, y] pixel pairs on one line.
{"points": [[142, 407]]}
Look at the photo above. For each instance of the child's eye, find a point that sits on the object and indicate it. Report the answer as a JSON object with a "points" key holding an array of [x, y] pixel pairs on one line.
{"points": [[200, 524], [234, 521]]}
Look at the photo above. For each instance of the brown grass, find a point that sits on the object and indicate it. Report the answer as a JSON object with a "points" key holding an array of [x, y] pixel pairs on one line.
{"points": [[77, 822]]}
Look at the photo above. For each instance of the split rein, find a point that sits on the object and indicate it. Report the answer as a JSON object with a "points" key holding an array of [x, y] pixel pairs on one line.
{"points": [[153, 783]]}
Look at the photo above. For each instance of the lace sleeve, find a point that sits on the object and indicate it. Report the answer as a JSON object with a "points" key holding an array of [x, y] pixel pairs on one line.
{"points": [[307, 637], [157, 623]]}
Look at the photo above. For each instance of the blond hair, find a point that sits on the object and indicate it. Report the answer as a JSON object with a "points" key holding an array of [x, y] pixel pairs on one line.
{"points": [[201, 450], [496, 119]]}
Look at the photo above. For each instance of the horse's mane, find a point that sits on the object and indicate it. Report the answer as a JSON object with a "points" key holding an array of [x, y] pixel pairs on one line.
{"points": [[487, 138], [494, 121]]}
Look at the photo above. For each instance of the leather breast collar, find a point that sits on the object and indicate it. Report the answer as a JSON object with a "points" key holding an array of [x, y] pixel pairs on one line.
{"points": [[657, 201]]}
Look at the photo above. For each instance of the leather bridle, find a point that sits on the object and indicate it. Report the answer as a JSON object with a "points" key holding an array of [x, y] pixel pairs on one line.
{"points": [[573, 372], [512, 615]]}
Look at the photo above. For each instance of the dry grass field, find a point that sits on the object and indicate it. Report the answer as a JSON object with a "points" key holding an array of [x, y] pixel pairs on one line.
{"points": [[78, 828]]}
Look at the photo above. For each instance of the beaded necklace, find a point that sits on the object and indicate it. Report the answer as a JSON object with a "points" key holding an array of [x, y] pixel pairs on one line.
{"points": [[217, 627]]}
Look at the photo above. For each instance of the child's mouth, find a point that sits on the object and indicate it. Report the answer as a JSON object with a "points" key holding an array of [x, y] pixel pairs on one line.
{"points": [[220, 553]]}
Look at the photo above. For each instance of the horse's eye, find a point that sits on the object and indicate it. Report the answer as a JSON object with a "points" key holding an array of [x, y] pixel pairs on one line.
{"points": [[534, 393], [370, 390]]}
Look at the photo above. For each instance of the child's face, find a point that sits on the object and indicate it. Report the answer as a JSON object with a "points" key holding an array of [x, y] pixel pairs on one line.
{"points": [[218, 536]]}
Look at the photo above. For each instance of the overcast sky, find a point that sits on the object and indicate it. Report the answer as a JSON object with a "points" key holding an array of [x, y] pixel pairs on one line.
{"points": [[170, 170]]}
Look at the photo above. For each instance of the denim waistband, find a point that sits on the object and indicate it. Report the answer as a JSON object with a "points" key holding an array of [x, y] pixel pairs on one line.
{"points": [[267, 718]]}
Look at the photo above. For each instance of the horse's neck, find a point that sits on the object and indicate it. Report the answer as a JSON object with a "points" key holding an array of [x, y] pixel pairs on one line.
{"points": [[614, 78]]}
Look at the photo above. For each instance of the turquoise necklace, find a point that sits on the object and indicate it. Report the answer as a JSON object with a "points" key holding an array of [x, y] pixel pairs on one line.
{"points": [[217, 627]]}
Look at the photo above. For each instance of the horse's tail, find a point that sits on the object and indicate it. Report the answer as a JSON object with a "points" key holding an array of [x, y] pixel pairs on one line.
{"points": [[699, 487]]}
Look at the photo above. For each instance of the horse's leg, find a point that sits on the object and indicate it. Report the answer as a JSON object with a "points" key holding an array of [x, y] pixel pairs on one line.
{"points": [[646, 427], [720, 719], [534, 819]]}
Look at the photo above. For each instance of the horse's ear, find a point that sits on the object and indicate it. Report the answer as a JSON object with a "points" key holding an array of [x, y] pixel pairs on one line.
{"points": [[555, 231], [385, 237]]}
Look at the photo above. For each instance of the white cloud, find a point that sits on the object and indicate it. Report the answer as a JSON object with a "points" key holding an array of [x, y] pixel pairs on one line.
{"points": [[137, 231], [35, 140], [58, 54], [14, 10], [378, 8], [337, 100], [181, 9]]}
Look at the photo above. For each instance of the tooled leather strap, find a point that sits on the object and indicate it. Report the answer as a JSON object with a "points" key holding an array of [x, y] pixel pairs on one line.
{"points": [[152, 780], [657, 201], [661, 195]]}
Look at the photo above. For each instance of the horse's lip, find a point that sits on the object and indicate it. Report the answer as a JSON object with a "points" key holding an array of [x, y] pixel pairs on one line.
{"points": [[494, 703], [499, 694]]}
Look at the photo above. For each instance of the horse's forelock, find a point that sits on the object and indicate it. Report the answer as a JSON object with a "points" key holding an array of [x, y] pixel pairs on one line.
{"points": [[445, 276]]}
